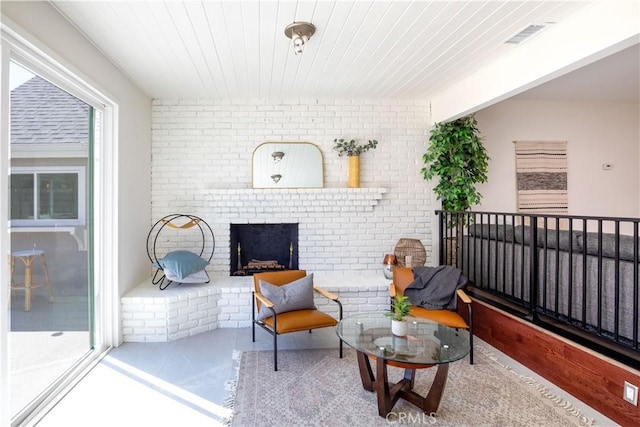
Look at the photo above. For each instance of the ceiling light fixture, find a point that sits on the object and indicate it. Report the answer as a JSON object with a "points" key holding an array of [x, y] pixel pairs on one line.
{"points": [[299, 33]]}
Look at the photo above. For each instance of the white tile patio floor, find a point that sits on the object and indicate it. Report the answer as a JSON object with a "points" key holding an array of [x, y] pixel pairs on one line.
{"points": [[182, 383]]}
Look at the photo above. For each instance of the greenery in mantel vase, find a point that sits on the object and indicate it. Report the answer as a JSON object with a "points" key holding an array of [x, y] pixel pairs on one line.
{"points": [[458, 158], [352, 148]]}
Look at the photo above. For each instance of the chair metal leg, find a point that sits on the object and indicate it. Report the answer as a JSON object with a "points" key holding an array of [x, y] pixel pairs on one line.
{"points": [[253, 317], [340, 308], [470, 311], [275, 351], [275, 340]]}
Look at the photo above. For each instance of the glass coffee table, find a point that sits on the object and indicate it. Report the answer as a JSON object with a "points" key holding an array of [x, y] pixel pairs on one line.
{"points": [[426, 345]]}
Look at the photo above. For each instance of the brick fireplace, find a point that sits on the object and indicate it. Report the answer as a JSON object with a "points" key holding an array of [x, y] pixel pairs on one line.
{"points": [[255, 248]]}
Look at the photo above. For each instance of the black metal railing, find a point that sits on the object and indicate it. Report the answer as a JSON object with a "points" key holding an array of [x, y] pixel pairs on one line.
{"points": [[577, 275]]}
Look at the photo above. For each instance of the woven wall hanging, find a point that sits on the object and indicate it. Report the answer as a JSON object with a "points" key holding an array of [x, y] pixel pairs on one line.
{"points": [[541, 175]]}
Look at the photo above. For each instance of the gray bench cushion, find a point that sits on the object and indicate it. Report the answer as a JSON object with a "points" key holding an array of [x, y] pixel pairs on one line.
{"points": [[492, 231], [556, 239], [609, 245]]}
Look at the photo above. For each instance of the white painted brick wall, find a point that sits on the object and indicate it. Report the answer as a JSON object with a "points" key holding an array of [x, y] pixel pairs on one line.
{"points": [[202, 151]]}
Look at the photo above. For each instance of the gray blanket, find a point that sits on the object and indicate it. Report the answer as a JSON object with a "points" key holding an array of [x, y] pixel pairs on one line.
{"points": [[435, 287]]}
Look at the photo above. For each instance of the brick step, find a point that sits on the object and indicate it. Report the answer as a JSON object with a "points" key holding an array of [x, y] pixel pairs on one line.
{"points": [[152, 315]]}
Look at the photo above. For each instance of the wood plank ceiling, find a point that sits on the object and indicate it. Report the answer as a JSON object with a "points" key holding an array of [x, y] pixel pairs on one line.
{"points": [[361, 49]]}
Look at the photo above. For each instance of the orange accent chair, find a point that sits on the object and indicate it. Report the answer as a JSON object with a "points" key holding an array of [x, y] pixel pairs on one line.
{"points": [[403, 277], [290, 321]]}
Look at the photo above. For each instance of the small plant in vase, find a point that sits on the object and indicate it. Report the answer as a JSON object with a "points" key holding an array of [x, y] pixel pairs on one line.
{"points": [[353, 150], [401, 308]]}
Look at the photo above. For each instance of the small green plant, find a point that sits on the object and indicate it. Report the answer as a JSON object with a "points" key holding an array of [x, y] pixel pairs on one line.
{"points": [[401, 308], [352, 148]]}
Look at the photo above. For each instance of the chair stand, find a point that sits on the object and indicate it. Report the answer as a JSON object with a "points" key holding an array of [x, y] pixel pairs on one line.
{"points": [[275, 328], [27, 258]]}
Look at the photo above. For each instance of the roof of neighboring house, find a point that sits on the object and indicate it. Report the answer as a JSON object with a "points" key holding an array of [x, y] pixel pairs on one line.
{"points": [[42, 113]]}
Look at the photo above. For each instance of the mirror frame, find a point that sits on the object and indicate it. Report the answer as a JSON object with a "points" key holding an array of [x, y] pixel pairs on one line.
{"points": [[257, 156]]}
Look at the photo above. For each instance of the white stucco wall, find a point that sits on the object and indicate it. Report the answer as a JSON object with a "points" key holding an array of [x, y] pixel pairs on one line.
{"points": [[596, 133], [42, 25]]}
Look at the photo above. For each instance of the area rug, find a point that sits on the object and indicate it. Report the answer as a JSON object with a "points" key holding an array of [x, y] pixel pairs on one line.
{"points": [[317, 388]]}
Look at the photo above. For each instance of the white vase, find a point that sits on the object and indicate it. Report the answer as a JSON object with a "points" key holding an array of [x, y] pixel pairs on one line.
{"points": [[399, 327]]}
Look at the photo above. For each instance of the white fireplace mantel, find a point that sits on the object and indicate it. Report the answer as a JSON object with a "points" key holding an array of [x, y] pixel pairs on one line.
{"points": [[295, 199]]}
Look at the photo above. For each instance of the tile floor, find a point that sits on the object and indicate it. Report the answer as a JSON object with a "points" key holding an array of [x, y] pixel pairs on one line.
{"points": [[39, 358], [182, 383]]}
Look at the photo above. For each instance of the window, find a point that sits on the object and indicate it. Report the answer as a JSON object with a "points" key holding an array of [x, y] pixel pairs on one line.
{"points": [[47, 196]]}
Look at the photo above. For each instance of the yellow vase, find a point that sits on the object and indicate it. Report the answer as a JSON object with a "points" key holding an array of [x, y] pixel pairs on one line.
{"points": [[354, 172]]}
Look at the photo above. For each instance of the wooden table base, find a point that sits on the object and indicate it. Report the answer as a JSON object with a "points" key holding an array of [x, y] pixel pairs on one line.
{"points": [[389, 393]]}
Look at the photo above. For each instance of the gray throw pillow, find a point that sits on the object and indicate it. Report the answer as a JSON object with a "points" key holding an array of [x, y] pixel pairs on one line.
{"points": [[297, 295]]}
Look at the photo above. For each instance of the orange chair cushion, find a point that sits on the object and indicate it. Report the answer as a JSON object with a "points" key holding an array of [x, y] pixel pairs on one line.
{"points": [[301, 320], [402, 278], [445, 317]]}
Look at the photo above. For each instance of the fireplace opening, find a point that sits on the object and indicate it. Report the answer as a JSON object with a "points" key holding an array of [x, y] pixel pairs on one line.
{"points": [[257, 248]]}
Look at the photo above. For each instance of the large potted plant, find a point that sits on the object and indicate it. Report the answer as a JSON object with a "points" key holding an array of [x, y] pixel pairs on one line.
{"points": [[353, 150], [456, 156]]}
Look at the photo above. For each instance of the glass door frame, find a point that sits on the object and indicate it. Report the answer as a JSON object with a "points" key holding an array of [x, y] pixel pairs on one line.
{"points": [[103, 232]]}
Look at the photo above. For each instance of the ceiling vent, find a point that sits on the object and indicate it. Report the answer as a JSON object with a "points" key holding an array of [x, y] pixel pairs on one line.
{"points": [[526, 33]]}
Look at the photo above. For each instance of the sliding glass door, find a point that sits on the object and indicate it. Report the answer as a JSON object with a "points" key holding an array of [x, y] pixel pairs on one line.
{"points": [[50, 222]]}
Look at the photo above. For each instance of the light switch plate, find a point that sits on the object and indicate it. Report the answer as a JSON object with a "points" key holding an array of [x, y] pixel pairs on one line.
{"points": [[631, 393]]}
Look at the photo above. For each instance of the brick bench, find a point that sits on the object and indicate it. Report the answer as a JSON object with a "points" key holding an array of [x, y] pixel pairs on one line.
{"points": [[152, 315]]}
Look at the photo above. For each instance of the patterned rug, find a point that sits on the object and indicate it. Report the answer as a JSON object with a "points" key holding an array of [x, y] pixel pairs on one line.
{"points": [[317, 388]]}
